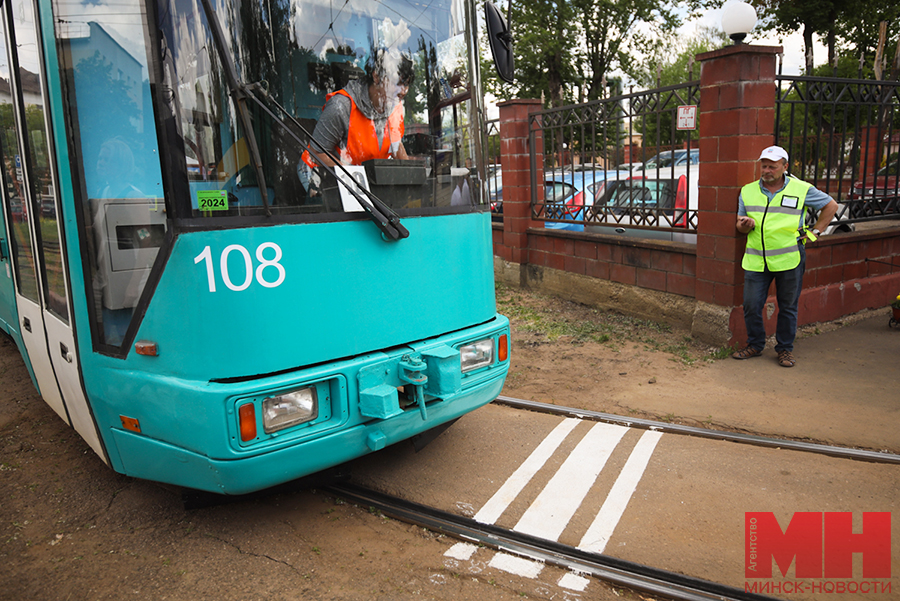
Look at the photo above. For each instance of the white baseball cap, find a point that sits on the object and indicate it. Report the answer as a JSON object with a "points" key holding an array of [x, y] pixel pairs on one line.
{"points": [[774, 153]]}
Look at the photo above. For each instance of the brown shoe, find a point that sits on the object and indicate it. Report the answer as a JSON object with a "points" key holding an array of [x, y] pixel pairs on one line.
{"points": [[785, 359], [746, 353]]}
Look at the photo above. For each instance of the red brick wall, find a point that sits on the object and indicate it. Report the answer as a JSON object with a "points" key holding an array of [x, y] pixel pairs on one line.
{"points": [[666, 267]]}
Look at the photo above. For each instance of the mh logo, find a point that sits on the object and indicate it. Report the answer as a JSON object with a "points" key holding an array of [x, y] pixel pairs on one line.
{"points": [[823, 544]]}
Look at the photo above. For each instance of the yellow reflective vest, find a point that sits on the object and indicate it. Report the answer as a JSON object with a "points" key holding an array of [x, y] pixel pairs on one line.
{"points": [[773, 242]]}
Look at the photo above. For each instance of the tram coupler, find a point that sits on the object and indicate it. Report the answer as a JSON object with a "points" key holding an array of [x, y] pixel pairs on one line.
{"points": [[412, 370]]}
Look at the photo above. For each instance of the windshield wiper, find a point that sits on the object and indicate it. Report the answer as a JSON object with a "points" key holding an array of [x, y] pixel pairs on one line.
{"points": [[384, 217]]}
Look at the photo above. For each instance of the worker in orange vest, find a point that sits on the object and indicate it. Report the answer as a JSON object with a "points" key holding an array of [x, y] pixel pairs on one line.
{"points": [[364, 120]]}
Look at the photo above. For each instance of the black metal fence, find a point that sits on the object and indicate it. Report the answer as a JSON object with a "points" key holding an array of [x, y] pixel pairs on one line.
{"points": [[622, 163], [618, 163], [843, 136]]}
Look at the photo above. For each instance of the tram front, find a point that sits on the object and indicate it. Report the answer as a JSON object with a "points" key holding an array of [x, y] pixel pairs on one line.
{"points": [[282, 229]]}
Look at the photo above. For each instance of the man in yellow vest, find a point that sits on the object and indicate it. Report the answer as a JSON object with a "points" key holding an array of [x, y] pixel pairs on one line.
{"points": [[771, 212]]}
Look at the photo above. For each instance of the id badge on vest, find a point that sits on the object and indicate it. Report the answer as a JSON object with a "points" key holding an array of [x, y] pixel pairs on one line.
{"points": [[790, 202]]}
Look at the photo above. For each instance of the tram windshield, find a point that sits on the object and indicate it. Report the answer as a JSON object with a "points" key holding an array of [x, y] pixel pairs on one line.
{"points": [[382, 88], [160, 130]]}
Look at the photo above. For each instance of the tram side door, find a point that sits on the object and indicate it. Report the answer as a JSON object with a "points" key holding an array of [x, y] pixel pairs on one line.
{"points": [[42, 288]]}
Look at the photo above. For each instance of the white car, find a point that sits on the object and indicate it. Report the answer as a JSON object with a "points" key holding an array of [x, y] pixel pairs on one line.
{"points": [[671, 158], [664, 200]]}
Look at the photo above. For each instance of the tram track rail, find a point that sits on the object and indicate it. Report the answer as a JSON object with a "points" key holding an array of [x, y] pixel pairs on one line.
{"points": [[615, 571], [738, 437]]}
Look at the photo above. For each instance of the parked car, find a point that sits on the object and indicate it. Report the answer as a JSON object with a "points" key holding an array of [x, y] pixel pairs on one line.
{"points": [[565, 196], [648, 200], [672, 158], [877, 194], [883, 183], [17, 210], [495, 189], [48, 206]]}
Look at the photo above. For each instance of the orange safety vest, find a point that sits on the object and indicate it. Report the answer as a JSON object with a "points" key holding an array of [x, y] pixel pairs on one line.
{"points": [[362, 141]]}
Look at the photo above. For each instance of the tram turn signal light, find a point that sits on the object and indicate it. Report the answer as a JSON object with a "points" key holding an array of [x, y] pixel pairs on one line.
{"points": [[130, 423], [146, 347], [247, 416], [503, 350]]}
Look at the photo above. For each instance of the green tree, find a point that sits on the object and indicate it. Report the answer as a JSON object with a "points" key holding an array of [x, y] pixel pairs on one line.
{"points": [[812, 16], [544, 62], [846, 25], [671, 66], [673, 62], [98, 86], [565, 50], [616, 32], [857, 33]]}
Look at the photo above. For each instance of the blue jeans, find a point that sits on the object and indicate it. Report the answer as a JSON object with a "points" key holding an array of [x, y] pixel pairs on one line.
{"points": [[788, 285]]}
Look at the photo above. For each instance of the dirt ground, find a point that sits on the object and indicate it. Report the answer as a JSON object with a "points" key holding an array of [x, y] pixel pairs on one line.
{"points": [[70, 528], [842, 391]]}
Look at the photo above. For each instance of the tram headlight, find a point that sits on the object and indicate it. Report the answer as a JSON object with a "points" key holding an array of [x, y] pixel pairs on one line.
{"points": [[289, 409], [475, 355]]}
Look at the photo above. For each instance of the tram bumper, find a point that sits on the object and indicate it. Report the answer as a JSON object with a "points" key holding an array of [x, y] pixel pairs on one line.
{"points": [[156, 460], [233, 440]]}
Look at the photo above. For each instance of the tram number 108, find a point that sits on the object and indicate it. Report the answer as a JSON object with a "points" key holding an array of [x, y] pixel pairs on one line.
{"points": [[260, 272]]}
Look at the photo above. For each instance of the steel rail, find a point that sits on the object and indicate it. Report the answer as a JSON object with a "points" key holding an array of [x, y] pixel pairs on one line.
{"points": [[762, 441], [616, 571]]}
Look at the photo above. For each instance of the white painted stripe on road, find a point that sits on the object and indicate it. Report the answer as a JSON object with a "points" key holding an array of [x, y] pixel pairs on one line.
{"points": [[519, 566], [554, 507], [461, 551], [497, 504], [573, 582], [598, 535]]}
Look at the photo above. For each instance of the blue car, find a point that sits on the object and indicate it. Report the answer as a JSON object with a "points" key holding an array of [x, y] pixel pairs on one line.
{"points": [[564, 195]]}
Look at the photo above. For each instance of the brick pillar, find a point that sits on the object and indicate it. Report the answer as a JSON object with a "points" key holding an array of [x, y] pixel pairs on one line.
{"points": [[515, 160], [737, 121]]}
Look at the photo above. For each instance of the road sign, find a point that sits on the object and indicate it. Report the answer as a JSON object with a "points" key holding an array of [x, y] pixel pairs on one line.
{"points": [[687, 117]]}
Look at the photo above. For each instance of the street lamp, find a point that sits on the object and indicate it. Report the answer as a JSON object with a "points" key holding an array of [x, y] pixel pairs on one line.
{"points": [[738, 19]]}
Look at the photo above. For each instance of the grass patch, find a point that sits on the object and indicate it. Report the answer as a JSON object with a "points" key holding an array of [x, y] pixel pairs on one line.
{"points": [[554, 319]]}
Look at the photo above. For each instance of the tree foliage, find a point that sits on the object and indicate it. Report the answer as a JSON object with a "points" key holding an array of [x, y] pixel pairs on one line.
{"points": [[544, 61], [617, 33], [674, 63], [847, 26], [567, 50], [667, 67]]}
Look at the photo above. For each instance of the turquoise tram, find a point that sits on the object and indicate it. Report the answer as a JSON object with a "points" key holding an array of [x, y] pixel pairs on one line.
{"points": [[202, 305]]}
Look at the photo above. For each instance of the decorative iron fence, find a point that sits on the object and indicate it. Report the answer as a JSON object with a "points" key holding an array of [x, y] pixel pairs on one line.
{"points": [[843, 136], [619, 162]]}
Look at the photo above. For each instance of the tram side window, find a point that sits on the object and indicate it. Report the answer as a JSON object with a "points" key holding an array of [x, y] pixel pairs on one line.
{"points": [[14, 184], [116, 155]]}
